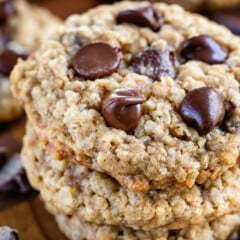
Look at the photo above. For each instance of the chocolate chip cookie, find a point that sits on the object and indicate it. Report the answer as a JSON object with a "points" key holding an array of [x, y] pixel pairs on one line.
{"points": [[224, 228], [95, 197], [20, 33], [147, 93]]}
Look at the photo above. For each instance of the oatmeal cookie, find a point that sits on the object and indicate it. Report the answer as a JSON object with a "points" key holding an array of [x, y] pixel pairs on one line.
{"points": [[96, 197], [22, 28], [148, 94], [76, 229]]}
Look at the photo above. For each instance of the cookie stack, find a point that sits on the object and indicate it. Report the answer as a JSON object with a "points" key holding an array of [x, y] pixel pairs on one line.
{"points": [[133, 132]]}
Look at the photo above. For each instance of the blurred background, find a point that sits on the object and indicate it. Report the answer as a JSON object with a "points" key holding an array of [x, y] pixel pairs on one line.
{"points": [[62, 8]]}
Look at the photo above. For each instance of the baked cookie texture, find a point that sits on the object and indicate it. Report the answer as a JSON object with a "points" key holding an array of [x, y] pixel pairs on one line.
{"points": [[75, 229], [64, 100], [21, 32], [95, 197]]}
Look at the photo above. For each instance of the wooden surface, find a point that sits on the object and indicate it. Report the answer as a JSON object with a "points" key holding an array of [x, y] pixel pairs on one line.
{"points": [[26, 213]]}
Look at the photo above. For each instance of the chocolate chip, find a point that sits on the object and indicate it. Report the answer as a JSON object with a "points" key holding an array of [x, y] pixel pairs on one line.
{"points": [[203, 109], [7, 233], [228, 124], [144, 17], [122, 108], [7, 8], [235, 235], [205, 49], [8, 59], [13, 177], [96, 60], [154, 63]]}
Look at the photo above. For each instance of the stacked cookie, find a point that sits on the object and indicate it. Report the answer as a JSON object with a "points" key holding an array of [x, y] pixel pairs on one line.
{"points": [[134, 115], [23, 28]]}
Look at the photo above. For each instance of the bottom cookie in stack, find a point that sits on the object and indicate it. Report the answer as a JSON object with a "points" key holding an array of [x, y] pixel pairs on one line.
{"points": [[80, 200], [223, 228]]}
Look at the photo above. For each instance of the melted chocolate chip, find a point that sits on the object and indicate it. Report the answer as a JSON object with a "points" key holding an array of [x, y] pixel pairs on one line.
{"points": [[13, 177], [96, 60], [154, 63], [122, 108], [8, 59], [205, 49], [235, 235], [7, 233], [203, 109], [7, 8], [144, 17]]}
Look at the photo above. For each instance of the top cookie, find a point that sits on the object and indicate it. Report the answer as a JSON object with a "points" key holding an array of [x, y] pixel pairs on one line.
{"points": [[148, 94]]}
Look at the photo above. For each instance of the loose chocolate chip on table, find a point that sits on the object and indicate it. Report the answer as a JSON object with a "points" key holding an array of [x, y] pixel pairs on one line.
{"points": [[203, 109], [235, 235], [122, 108], [205, 49], [96, 60], [144, 17], [7, 233], [154, 63], [7, 8], [13, 177]]}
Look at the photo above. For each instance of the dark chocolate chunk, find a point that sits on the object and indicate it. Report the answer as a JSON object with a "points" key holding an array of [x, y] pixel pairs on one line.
{"points": [[7, 8], [96, 60], [144, 17], [203, 109], [13, 177], [235, 235], [7, 233], [154, 63], [205, 49], [122, 108]]}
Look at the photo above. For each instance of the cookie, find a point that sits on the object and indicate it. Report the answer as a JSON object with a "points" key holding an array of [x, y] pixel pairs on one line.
{"points": [[114, 95], [76, 229], [19, 35], [96, 197]]}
